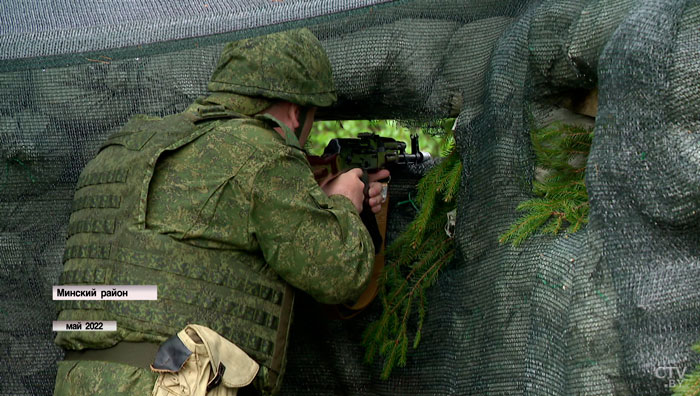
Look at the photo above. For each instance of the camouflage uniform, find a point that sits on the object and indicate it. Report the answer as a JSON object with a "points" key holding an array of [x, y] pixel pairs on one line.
{"points": [[227, 215]]}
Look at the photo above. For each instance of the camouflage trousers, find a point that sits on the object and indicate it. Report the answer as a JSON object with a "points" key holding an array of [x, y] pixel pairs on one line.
{"points": [[88, 378]]}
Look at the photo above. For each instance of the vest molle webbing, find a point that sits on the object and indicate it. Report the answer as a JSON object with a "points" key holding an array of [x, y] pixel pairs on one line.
{"points": [[109, 243]]}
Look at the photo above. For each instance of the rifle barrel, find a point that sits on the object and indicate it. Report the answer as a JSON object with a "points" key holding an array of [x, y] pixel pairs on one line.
{"points": [[415, 158]]}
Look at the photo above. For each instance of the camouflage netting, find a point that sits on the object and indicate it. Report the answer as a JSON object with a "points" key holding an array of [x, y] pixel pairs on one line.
{"points": [[600, 312]]}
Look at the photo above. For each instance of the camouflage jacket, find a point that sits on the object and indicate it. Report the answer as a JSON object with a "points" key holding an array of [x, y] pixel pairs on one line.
{"points": [[314, 242], [214, 214]]}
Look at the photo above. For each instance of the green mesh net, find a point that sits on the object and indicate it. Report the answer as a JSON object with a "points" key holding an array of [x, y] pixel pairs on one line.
{"points": [[603, 311]]}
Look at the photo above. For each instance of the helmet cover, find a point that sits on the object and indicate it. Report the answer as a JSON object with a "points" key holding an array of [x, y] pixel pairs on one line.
{"points": [[290, 66]]}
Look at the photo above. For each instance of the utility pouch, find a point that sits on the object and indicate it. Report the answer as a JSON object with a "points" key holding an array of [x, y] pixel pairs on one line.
{"points": [[198, 361]]}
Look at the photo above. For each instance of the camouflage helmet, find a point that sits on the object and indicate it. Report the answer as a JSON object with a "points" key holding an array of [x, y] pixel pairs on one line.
{"points": [[290, 66]]}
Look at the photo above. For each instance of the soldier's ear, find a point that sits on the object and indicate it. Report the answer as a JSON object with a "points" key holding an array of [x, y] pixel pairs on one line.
{"points": [[293, 114]]}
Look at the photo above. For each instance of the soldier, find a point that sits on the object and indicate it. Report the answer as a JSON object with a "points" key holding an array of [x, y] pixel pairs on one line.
{"points": [[218, 207]]}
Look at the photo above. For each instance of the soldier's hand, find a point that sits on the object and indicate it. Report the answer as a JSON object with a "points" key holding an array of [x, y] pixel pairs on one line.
{"points": [[350, 185], [376, 198]]}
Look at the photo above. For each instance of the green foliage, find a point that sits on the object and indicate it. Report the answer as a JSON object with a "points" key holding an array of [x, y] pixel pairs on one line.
{"points": [[690, 385], [562, 200], [416, 258], [323, 131]]}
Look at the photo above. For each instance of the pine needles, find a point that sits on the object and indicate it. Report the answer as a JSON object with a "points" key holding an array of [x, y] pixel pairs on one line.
{"points": [[561, 154], [690, 384], [417, 257]]}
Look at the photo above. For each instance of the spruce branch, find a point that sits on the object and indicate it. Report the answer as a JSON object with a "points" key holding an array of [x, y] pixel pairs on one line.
{"points": [[561, 197], [416, 258], [453, 178], [690, 385]]}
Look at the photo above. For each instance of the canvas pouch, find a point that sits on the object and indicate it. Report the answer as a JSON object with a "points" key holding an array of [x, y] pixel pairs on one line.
{"points": [[198, 361]]}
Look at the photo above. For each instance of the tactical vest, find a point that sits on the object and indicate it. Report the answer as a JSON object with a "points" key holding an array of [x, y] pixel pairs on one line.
{"points": [[232, 292]]}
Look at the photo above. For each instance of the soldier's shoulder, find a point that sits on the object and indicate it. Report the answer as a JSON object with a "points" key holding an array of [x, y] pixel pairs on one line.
{"points": [[255, 133]]}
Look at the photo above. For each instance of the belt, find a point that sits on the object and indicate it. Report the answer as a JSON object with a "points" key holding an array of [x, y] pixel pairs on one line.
{"points": [[139, 354]]}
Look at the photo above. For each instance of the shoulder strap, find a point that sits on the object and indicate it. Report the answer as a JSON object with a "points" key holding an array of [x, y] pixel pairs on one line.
{"points": [[141, 129], [200, 112]]}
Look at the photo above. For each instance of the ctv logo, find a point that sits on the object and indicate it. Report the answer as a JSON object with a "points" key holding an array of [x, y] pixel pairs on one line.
{"points": [[674, 375]]}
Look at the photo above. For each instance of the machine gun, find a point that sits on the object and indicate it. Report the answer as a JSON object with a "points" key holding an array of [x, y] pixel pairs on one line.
{"points": [[371, 153], [368, 151]]}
